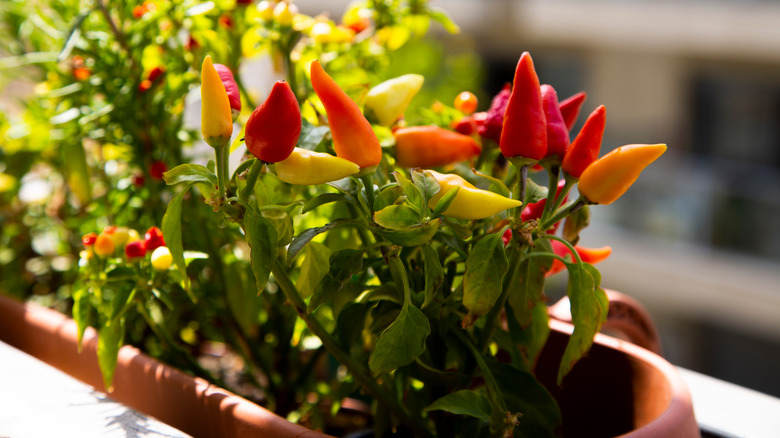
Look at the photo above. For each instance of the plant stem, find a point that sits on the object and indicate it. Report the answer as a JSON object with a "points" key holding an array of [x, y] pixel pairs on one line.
{"points": [[552, 190], [251, 180], [222, 169], [368, 183], [562, 213], [357, 371]]}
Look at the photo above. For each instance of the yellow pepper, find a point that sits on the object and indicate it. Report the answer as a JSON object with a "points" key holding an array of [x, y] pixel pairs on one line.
{"points": [[216, 121], [607, 178], [388, 100], [161, 258], [103, 246], [470, 203], [305, 167]]}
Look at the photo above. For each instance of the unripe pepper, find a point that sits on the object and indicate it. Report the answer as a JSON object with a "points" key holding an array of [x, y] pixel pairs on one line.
{"points": [[231, 87], [154, 238], [610, 176], [353, 137], [305, 167], [585, 147], [470, 202], [388, 100], [524, 132], [433, 146], [274, 127], [161, 259], [587, 255], [216, 123], [570, 108], [557, 132]]}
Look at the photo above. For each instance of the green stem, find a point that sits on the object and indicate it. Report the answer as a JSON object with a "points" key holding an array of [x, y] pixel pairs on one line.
{"points": [[222, 169], [357, 371], [251, 180], [368, 183], [570, 181], [491, 319], [562, 213], [552, 190], [493, 388], [573, 251], [522, 179]]}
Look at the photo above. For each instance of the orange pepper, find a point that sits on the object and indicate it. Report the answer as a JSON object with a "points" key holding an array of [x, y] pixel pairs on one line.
{"points": [[353, 137], [587, 255], [610, 176], [433, 146], [216, 118]]}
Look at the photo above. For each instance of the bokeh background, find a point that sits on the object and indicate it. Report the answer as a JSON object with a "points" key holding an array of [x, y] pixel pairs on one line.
{"points": [[697, 239]]}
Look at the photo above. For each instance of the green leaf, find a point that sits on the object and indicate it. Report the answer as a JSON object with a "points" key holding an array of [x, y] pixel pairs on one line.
{"points": [[262, 239], [190, 173], [397, 217], [350, 186], [445, 201], [322, 199], [496, 185], [241, 296], [311, 135], [343, 265], [588, 311], [77, 171], [485, 269], [299, 242], [527, 342], [314, 267], [523, 394], [529, 291], [389, 195], [411, 236], [82, 311], [534, 192], [171, 229], [427, 184], [438, 15], [110, 339], [282, 222], [473, 403], [434, 273], [402, 342], [413, 194]]}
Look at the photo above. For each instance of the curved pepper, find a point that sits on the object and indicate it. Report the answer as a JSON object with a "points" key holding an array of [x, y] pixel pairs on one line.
{"points": [[587, 255], [570, 108], [234, 96], [216, 120], [273, 129], [585, 148], [524, 132], [305, 167], [610, 176], [433, 146], [557, 132], [353, 137], [470, 202], [388, 100]]}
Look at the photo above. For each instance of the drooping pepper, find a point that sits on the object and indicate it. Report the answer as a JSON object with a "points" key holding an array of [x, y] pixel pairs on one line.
{"points": [[433, 146], [490, 126], [305, 167], [273, 129], [557, 132], [388, 100], [587, 255], [353, 137], [216, 119], [610, 176], [470, 202], [586, 146], [570, 108], [524, 131], [234, 96]]}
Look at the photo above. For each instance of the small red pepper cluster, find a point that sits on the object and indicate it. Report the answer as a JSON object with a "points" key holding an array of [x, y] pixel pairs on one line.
{"points": [[114, 237]]}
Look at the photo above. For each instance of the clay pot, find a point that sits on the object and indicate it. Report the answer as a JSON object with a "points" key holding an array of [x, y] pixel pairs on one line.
{"points": [[619, 388]]}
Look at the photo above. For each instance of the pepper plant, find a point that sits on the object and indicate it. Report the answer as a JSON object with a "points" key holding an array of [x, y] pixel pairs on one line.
{"points": [[426, 285]]}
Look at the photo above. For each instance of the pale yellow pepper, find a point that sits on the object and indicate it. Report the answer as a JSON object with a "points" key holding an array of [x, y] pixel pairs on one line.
{"points": [[305, 167], [388, 100], [470, 203]]}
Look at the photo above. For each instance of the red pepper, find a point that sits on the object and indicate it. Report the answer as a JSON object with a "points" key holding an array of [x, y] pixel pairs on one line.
{"points": [[432, 146], [234, 96], [273, 129], [524, 132], [535, 210], [587, 255], [585, 148], [158, 169], [494, 120], [353, 137], [557, 132], [135, 249], [570, 108], [156, 73], [154, 239], [89, 239]]}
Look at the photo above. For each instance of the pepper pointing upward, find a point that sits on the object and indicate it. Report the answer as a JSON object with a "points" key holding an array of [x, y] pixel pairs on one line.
{"points": [[524, 133], [353, 137]]}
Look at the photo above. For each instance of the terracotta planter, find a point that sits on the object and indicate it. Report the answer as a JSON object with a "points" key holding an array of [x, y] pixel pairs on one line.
{"points": [[619, 388]]}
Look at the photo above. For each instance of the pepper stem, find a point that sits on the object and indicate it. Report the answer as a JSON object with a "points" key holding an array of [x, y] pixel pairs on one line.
{"points": [[222, 152], [251, 180]]}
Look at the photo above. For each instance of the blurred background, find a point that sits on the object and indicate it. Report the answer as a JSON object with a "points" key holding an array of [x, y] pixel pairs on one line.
{"points": [[697, 238]]}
